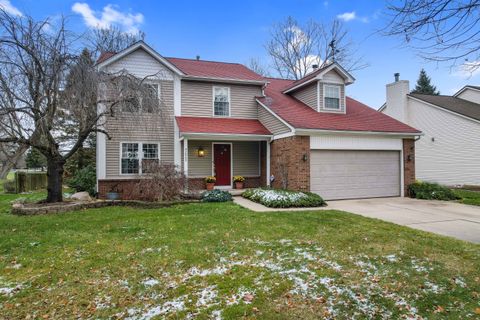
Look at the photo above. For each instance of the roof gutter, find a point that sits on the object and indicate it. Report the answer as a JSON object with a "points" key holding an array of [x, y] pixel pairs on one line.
{"points": [[227, 80], [304, 131]]}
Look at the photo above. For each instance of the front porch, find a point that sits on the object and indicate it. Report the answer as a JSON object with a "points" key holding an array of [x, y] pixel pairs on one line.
{"points": [[224, 159]]}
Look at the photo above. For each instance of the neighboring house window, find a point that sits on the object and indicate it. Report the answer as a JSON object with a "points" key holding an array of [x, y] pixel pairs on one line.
{"points": [[146, 102], [221, 101], [135, 162], [332, 97]]}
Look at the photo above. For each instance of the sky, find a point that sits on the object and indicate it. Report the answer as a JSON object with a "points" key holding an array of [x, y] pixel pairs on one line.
{"points": [[235, 31]]}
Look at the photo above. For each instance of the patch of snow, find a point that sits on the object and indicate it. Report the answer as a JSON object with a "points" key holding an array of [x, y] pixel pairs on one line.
{"points": [[167, 307], [10, 291], [150, 282], [391, 258], [207, 296], [217, 314], [459, 281]]}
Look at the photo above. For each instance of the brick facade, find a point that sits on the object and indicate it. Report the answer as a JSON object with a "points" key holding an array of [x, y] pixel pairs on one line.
{"points": [[408, 163], [290, 163]]}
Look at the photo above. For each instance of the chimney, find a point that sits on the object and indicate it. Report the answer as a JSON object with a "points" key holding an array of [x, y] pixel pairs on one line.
{"points": [[397, 99], [197, 57]]}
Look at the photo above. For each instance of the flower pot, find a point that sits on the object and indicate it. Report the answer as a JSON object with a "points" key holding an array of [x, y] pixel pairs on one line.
{"points": [[210, 185], [113, 195], [238, 185]]}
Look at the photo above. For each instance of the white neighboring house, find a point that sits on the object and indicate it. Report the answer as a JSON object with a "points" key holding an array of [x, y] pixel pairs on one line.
{"points": [[449, 151]]}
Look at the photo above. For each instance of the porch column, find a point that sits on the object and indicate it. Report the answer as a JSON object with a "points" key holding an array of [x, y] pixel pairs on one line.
{"points": [[267, 166], [185, 157]]}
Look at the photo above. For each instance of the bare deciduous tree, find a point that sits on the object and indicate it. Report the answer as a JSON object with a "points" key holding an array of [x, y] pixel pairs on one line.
{"points": [[440, 30], [295, 48], [256, 65], [112, 39], [49, 93]]}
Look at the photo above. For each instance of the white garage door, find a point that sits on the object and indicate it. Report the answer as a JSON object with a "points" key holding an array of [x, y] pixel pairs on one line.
{"points": [[345, 174]]}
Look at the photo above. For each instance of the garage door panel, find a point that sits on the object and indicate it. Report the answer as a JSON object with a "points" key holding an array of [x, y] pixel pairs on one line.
{"points": [[341, 174]]}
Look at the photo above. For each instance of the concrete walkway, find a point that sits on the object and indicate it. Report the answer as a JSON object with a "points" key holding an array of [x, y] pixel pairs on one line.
{"points": [[446, 218]]}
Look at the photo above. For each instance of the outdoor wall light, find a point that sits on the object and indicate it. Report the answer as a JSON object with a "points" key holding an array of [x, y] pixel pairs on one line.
{"points": [[201, 152], [305, 157]]}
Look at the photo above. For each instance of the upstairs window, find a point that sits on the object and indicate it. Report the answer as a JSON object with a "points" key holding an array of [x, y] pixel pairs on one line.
{"points": [[332, 97], [221, 101]]}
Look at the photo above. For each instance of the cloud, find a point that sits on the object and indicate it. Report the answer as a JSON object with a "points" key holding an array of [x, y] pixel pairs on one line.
{"points": [[350, 16], [347, 16], [9, 8], [109, 16]]}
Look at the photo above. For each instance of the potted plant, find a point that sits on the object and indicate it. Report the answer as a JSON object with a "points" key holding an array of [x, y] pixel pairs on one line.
{"points": [[113, 194], [239, 182], [210, 182]]}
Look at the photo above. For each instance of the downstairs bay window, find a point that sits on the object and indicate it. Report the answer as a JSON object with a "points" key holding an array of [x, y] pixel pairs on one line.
{"points": [[137, 157]]}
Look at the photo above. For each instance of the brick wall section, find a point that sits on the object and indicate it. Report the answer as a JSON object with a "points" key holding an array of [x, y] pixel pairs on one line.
{"points": [[126, 187], [409, 163], [287, 158]]}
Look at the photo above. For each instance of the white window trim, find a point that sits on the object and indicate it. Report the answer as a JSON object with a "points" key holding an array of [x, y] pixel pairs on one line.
{"points": [[339, 97], [231, 164], [140, 156], [229, 102]]}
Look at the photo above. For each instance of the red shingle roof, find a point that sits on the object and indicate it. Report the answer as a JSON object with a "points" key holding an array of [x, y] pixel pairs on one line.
{"points": [[105, 55], [358, 117], [221, 125], [213, 69]]}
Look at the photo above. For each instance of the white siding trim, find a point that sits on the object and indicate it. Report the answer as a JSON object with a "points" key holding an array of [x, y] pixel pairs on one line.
{"points": [[226, 136], [267, 166], [177, 111], [333, 142], [402, 173], [185, 157], [283, 135], [101, 148]]}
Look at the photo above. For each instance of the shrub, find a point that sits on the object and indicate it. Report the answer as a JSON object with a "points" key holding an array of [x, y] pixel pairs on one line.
{"points": [[278, 198], [430, 191], [161, 182], [9, 186], [216, 196], [84, 180]]}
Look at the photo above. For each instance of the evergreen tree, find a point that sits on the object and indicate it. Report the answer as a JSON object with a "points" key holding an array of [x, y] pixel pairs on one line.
{"points": [[35, 159], [424, 85]]}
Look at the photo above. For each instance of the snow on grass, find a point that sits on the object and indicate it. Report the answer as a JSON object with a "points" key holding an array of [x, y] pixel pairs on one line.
{"points": [[10, 291], [150, 282], [175, 305], [207, 296]]}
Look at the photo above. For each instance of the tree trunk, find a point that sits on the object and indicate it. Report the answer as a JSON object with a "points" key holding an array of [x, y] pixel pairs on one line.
{"points": [[11, 161], [55, 179]]}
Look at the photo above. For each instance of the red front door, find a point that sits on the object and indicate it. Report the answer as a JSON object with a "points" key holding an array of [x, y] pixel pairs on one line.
{"points": [[222, 164]]}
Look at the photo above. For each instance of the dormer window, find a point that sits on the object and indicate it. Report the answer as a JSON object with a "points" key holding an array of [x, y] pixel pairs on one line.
{"points": [[332, 97], [221, 101]]}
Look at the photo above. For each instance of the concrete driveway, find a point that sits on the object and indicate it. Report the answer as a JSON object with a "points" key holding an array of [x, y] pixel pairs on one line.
{"points": [[447, 218]]}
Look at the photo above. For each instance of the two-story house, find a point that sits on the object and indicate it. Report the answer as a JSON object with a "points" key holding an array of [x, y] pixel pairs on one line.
{"points": [[449, 151], [223, 119]]}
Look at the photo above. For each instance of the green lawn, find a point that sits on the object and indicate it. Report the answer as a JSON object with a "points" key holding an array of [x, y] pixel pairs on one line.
{"points": [[223, 261], [468, 197]]}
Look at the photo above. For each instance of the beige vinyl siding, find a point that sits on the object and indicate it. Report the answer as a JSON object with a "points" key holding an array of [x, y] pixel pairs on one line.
{"points": [[332, 76], [153, 128], [197, 99], [246, 158], [321, 96], [274, 125], [308, 95], [469, 94], [141, 64]]}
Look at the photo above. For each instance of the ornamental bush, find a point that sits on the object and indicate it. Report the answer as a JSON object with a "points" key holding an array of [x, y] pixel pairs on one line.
{"points": [[430, 191], [279, 198], [84, 180], [216, 196]]}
